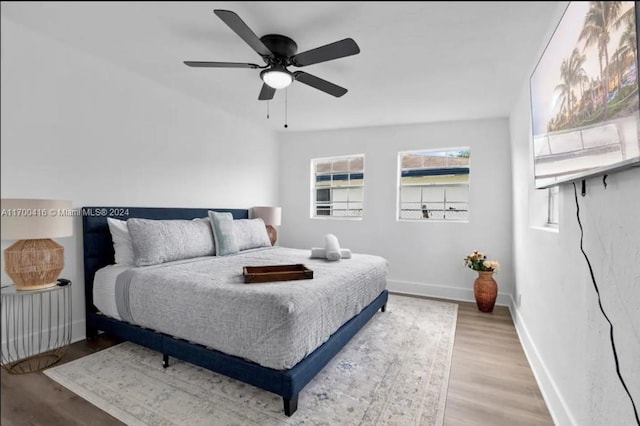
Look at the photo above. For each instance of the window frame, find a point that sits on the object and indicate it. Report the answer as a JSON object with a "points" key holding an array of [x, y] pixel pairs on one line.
{"points": [[330, 203], [400, 186]]}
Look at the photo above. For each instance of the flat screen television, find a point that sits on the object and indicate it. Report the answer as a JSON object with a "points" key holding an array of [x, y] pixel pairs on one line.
{"points": [[584, 95]]}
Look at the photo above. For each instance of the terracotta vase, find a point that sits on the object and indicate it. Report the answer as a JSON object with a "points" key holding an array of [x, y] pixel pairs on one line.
{"points": [[485, 289]]}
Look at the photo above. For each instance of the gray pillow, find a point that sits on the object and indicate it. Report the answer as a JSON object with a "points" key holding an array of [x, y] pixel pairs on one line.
{"points": [[159, 241], [223, 233], [251, 233]]}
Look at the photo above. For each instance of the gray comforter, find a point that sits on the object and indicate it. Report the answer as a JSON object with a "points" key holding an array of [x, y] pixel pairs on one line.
{"points": [[274, 324]]}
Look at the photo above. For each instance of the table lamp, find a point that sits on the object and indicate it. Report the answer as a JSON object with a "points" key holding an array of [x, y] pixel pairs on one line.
{"points": [[35, 261], [271, 217]]}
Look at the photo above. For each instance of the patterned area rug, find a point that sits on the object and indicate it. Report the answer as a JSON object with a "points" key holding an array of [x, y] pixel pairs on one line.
{"points": [[395, 371]]}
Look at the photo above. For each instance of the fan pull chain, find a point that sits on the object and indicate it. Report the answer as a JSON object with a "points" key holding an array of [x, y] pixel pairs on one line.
{"points": [[286, 91], [267, 110]]}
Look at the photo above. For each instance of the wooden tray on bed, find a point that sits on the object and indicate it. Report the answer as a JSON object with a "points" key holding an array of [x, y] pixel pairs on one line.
{"points": [[262, 274]]}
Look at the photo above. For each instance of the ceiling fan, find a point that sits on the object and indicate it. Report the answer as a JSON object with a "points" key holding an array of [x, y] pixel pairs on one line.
{"points": [[280, 52]]}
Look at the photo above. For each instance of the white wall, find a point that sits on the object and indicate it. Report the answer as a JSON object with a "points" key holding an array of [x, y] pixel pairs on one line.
{"points": [[425, 257], [565, 336], [75, 127]]}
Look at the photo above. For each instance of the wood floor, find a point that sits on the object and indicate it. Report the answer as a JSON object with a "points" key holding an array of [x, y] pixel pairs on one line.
{"points": [[490, 382]]}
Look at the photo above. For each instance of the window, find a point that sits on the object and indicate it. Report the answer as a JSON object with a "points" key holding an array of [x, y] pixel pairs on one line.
{"points": [[434, 184], [338, 186], [553, 208]]}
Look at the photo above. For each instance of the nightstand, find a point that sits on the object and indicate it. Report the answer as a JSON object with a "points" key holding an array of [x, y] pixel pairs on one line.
{"points": [[36, 327]]}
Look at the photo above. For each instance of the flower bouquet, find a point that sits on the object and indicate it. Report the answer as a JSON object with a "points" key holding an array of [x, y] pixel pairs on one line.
{"points": [[478, 262]]}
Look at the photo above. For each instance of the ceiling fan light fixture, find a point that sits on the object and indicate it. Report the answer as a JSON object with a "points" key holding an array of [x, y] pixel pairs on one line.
{"points": [[279, 52], [277, 78]]}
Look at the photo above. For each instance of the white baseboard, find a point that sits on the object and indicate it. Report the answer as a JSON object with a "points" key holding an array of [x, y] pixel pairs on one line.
{"points": [[78, 332], [440, 291], [556, 404]]}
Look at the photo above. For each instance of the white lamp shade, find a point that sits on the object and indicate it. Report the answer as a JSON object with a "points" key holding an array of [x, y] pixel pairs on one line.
{"points": [[270, 215], [29, 219], [277, 79]]}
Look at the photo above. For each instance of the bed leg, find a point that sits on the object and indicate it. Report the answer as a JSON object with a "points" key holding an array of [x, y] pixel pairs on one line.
{"points": [[290, 405], [384, 308], [91, 333], [165, 361]]}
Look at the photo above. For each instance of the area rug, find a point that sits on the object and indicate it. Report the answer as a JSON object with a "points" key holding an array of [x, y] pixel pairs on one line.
{"points": [[395, 371]]}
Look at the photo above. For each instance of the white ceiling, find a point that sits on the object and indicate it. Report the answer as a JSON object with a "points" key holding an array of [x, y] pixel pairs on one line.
{"points": [[419, 61]]}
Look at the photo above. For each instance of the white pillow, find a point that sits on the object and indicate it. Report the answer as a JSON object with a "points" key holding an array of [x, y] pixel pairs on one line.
{"points": [[251, 233], [122, 245]]}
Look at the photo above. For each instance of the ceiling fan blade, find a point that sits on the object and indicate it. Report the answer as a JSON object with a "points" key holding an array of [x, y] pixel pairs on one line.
{"points": [[201, 64], [328, 52], [320, 84], [267, 92], [239, 27]]}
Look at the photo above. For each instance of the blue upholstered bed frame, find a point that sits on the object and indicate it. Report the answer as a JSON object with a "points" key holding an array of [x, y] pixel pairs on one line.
{"points": [[98, 252]]}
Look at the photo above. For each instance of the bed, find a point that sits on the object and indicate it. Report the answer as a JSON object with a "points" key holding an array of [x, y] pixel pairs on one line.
{"points": [[265, 363]]}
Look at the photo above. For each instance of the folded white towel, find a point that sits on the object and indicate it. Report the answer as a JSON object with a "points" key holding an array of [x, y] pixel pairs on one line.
{"points": [[321, 253], [318, 253], [332, 246]]}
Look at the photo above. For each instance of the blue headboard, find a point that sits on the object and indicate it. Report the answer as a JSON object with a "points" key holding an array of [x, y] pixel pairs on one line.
{"points": [[96, 237]]}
